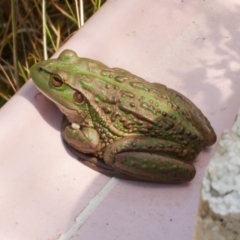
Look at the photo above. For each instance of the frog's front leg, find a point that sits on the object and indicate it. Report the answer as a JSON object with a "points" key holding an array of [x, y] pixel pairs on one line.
{"points": [[82, 139], [86, 140], [150, 159]]}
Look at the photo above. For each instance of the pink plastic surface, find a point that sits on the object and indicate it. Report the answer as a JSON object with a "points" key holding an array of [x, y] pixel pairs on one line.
{"points": [[192, 47]]}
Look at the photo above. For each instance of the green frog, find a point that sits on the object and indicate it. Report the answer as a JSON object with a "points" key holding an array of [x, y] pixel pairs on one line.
{"points": [[121, 124]]}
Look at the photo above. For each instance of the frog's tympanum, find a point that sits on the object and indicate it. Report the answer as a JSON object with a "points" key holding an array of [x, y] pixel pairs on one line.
{"points": [[132, 128]]}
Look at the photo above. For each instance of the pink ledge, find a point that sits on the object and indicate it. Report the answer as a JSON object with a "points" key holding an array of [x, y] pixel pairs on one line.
{"points": [[191, 46]]}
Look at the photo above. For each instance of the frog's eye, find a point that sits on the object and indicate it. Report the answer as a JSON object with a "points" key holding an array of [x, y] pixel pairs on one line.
{"points": [[78, 97], [56, 80]]}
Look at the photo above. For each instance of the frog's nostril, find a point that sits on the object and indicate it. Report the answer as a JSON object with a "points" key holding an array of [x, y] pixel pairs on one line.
{"points": [[41, 70]]}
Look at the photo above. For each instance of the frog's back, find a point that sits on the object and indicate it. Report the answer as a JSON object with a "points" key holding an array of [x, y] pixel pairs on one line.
{"points": [[133, 105]]}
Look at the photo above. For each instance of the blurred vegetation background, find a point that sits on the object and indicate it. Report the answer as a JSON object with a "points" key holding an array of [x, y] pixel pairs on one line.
{"points": [[31, 31]]}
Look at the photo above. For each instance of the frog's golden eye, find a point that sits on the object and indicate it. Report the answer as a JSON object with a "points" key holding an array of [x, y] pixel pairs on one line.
{"points": [[78, 97], [56, 80]]}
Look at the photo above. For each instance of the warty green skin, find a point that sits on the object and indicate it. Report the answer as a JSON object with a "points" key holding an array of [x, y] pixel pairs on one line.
{"points": [[135, 129]]}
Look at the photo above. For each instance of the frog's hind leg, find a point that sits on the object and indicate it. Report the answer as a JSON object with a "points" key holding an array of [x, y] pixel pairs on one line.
{"points": [[149, 159]]}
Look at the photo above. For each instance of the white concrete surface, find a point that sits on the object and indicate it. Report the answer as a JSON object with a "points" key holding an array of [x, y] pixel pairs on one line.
{"points": [[191, 46], [218, 216]]}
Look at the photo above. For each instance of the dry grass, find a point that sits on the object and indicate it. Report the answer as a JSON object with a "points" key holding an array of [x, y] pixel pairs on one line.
{"points": [[32, 30]]}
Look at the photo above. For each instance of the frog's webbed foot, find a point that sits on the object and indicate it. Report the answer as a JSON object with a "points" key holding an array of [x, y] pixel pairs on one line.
{"points": [[150, 160]]}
